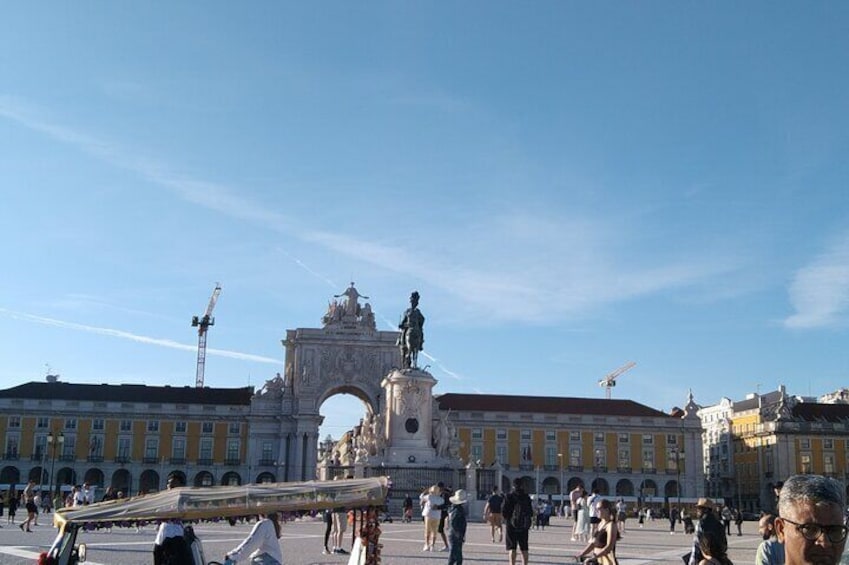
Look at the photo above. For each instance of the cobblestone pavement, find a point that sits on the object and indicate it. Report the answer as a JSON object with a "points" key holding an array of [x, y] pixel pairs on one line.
{"points": [[402, 544]]}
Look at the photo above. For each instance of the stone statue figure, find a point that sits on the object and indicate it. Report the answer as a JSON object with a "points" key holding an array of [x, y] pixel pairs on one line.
{"points": [[411, 339], [378, 433], [442, 436], [352, 305]]}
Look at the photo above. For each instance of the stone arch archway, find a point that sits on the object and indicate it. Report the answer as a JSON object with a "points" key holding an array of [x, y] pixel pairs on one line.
{"points": [[231, 478], [204, 479], [10, 475], [624, 487], [551, 485], [347, 355], [39, 475], [94, 477], [149, 481], [121, 481]]}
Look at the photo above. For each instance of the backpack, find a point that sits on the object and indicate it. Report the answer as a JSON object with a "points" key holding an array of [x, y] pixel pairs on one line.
{"points": [[522, 515]]}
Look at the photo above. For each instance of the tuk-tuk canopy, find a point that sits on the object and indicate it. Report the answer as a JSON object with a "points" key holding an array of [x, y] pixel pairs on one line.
{"points": [[207, 503]]}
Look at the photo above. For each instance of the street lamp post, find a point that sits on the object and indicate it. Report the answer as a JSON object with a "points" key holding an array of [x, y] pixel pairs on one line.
{"points": [[596, 484], [562, 486], [678, 480], [55, 441]]}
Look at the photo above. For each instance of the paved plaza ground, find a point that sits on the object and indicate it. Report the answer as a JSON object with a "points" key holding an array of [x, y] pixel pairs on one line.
{"points": [[402, 544]]}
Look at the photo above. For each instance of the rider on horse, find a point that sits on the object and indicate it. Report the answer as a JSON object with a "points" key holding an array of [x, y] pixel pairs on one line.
{"points": [[411, 339]]}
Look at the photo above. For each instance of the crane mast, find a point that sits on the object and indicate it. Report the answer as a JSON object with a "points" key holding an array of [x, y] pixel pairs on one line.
{"points": [[202, 323]]}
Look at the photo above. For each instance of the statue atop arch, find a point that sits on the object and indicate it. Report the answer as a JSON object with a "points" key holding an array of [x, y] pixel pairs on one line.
{"points": [[349, 313], [411, 340]]}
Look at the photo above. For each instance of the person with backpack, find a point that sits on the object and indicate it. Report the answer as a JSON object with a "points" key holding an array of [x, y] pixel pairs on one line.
{"points": [[518, 514]]}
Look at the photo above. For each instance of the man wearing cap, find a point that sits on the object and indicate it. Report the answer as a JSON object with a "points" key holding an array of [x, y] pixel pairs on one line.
{"points": [[810, 520], [457, 527], [708, 523]]}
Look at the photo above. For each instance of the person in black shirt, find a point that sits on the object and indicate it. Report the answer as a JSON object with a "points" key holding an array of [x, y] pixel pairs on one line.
{"points": [[518, 513], [492, 514]]}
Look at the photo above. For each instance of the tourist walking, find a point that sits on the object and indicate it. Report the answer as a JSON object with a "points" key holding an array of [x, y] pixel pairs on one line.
{"points": [[518, 513], [583, 521], [574, 495], [457, 527], [726, 516], [621, 516], [32, 509], [327, 518], [673, 518], [13, 507], [738, 521], [492, 514]]}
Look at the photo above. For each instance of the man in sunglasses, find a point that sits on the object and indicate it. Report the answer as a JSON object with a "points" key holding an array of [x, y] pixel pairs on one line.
{"points": [[810, 520]]}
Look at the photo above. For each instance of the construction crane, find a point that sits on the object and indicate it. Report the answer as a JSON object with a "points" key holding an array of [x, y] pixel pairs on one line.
{"points": [[202, 324], [609, 381]]}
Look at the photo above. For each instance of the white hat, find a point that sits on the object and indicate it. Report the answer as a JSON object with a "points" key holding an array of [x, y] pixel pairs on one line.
{"points": [[459, 497]]}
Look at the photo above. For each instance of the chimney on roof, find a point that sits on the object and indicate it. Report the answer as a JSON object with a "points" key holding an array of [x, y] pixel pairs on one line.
{"points": [[52, 378]]}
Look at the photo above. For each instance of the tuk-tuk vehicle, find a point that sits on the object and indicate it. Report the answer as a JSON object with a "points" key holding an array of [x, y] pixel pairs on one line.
{"points": [[189, 504]]}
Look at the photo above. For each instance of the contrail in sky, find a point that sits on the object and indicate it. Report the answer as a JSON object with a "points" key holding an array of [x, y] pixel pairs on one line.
{"points": [[137, 338]]}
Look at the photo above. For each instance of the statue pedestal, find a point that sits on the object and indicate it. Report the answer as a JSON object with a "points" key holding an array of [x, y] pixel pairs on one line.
{"points": [[408, 399]]}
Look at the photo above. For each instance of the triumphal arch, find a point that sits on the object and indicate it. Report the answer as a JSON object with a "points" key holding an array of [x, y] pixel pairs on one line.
{"points": [[348, 354]]}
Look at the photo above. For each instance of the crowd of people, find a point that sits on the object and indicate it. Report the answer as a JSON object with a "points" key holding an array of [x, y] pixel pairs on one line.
{"points": [[809, 527]]}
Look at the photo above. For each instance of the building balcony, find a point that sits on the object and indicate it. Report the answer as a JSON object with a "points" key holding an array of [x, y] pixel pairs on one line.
{"points": [[648, 470], [36, 457], [600, 469], [203, 461], [233, 462], [623, 469], [551, 468], [11, 456], [67, 457], [526, 467], [575, 468], [671, 471], [177, 461], [150, 460], [95, 459], [267, 463], [122, 460]]}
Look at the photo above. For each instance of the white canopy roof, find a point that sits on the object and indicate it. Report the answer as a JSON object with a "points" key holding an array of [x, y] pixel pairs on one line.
{"points": [[187, 503]]}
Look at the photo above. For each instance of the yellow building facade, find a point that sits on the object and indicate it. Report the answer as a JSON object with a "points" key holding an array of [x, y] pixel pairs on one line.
{"points": [[622, 448], [129, 437]]}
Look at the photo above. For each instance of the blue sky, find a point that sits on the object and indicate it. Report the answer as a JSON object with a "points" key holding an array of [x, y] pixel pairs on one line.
{"points": [[570, 186]]}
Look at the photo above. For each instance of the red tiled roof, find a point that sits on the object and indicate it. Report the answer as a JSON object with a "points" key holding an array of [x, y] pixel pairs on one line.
{"points": [[546, 405], [129, 393]]}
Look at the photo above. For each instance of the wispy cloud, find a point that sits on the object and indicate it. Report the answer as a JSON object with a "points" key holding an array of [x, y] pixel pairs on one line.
{"points": [[509, 267], [120, 334], [819, 291]]}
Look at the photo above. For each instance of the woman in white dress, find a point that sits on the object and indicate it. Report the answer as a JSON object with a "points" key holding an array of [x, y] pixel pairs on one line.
{"points": [[583, 533]]}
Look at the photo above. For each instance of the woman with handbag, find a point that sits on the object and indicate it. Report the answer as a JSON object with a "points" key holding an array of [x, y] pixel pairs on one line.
{"points": [[263, 542], [602, 548]]}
